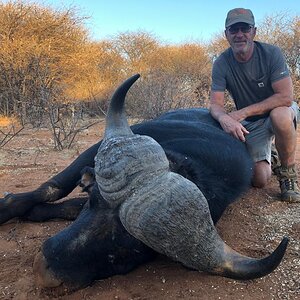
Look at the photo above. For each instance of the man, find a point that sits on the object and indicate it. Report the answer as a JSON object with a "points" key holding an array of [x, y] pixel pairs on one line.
{"points": [[257, 77]]}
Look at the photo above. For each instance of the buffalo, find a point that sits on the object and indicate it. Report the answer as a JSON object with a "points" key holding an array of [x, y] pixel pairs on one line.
{"points": [[156, 187]]}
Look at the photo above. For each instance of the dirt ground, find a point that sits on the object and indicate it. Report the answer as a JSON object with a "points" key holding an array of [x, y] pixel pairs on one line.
{"points": [[254, 226]]}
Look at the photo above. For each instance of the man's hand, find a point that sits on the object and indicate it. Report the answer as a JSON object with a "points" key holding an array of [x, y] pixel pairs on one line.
{"points": [[233, 127]]}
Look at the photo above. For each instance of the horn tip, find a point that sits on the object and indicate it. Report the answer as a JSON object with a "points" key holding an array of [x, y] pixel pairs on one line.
{"points": [[283, 244]]}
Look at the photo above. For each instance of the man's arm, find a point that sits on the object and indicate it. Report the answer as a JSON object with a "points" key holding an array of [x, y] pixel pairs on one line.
{"points": [[283, 96], [228, 123]]}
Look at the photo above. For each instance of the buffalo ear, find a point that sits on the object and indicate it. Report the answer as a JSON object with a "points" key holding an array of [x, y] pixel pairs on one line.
{"points": [[88, 170]]}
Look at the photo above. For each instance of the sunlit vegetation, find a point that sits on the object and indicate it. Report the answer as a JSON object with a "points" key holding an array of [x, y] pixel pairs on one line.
{"points": [[51, 69]]}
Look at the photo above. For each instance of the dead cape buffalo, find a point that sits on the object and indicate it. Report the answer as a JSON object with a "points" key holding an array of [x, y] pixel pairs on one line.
{"points": [[160, 185]]}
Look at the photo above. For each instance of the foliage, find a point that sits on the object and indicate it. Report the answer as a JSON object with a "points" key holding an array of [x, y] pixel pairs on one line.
{"points": [[51, 72], [135, 48], [41, 60], [178, 77], [37, 54]]}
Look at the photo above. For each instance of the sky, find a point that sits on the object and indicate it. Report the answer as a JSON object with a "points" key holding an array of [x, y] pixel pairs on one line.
{"points": [[171, 21]]}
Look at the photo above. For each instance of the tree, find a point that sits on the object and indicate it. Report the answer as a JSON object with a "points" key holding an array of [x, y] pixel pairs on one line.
{"points": [[38, 48], [177, 76], [135, 48]]}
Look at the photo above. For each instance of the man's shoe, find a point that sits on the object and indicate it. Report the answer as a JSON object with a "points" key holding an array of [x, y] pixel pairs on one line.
{"points": [[290, 191], [287, 177]]}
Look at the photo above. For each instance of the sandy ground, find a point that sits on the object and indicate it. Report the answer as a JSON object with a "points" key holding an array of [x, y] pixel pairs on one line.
{"points": [[253, 226]]}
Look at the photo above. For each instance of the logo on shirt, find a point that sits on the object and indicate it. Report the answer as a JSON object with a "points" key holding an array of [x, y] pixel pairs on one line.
{"points": [[260, 84]]}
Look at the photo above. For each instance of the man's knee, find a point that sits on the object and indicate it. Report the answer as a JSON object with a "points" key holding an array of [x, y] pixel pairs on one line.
{"points": [[262, 174], [282, 118]]}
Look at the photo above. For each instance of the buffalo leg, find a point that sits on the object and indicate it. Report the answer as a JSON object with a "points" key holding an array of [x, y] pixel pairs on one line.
{"points": [[67, 210], [59, 186]]}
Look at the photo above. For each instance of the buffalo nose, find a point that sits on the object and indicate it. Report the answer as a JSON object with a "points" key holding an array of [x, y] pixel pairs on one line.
{"points": [[44, 277]]}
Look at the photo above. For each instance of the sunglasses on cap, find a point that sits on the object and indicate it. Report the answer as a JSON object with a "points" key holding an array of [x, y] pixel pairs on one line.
{"points": [[235, 29]]}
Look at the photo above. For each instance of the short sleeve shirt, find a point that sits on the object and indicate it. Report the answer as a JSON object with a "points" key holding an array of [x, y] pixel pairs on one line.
{"points": [[249, 82]]}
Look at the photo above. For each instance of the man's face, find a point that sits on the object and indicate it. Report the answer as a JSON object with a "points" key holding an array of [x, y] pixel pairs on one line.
{"points": [[240, 37]]}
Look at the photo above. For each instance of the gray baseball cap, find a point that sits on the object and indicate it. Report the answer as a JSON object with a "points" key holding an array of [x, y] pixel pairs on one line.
{"points": [[239, 15]]}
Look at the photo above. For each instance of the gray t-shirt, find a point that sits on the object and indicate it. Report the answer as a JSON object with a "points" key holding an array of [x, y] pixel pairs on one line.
{"points": [[249, 82]]}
